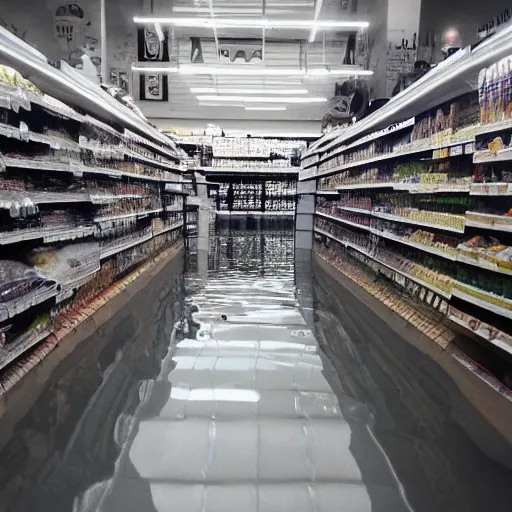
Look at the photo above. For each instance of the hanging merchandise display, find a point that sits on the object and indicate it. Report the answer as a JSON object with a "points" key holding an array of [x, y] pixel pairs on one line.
{"points": [[81, 203], [428, 203]]}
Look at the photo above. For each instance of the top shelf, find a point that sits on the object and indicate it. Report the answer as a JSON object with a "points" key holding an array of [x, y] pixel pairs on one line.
{"points": [[71, 88], [451, 78]]}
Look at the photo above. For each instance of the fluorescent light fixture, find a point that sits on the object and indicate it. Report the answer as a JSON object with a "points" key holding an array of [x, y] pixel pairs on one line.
{"points": [[155, 69], [265, 108], [199, 69], [262, 99], [223, 105], [319, 72], [230, 90], [250, 70], [251, 8], [258, 23]]}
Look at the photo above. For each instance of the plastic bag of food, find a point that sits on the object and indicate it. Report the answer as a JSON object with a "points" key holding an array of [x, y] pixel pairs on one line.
{"points": [[22, 287]]}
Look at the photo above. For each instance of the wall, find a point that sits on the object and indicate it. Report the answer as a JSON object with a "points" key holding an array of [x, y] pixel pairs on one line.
{"points": [[36, 22], [464, 15], [122, 34], [241, 127]]}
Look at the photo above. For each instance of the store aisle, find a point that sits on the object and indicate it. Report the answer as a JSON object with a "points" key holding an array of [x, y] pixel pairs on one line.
{"points": [[241, 416], [219, 390]]}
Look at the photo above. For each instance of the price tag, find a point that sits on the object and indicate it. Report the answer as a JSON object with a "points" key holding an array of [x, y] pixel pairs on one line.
{"points": [[24, 100], [469, 149], [76, 169], [5, 102], [24, 131], [456, 150]]}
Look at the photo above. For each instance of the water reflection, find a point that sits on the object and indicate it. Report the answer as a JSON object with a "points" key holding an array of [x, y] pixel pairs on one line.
{"points": [[447, 456], [251, 383], [69, 442]]}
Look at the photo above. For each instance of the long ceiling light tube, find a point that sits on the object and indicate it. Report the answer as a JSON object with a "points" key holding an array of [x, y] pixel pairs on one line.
{"points": [[266, 108], [263, 99], [249, 70], [199, 69], [155, 69], [257, 23], [230, 90]]}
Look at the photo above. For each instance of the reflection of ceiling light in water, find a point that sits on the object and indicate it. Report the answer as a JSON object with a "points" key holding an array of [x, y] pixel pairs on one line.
{"points": [[262, 99], [215, 395], [257, 23], [228, 90]]}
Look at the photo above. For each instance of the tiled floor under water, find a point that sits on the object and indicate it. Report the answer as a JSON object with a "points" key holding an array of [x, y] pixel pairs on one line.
{"points": [[233, 384]]}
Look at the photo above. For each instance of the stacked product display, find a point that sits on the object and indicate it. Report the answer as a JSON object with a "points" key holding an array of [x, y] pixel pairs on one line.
{"points": [[257, 196], [251, 155], [269, 168], [409, 202], [81, 204]]}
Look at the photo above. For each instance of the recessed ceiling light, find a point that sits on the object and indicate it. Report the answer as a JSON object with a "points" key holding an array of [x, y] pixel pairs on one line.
{"points": [[230, 90], [258, 23], [262, 99]]}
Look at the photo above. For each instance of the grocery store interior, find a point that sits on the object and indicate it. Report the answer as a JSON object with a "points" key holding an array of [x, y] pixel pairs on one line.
{"points": [[255, 255]]}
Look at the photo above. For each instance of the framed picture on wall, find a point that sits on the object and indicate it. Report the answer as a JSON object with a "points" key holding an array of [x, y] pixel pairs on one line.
{"points": [[153, 87], [152, 46]]}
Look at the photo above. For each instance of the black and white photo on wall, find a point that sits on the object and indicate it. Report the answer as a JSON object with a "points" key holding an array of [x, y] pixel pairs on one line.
{"points": [[152, 45], [154, 87]]}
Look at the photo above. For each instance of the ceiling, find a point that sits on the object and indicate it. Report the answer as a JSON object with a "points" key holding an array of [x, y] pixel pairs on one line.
{"points": [[281, 48]]}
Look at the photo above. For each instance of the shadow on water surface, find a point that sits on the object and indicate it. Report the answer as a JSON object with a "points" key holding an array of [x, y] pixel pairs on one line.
{"points": [[447, 456], [68, 443]]}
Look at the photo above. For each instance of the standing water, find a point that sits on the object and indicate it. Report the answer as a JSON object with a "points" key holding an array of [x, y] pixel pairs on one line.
{"points": [[242, 384]]}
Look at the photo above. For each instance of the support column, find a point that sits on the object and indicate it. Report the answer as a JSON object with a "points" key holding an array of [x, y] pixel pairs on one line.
{"points": [[389, 25], [304, 218], [403, 39], [304, 234]]}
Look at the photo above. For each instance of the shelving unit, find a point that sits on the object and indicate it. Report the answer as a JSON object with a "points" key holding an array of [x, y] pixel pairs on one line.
{"points": [[88, 191], [255, 176], [408, 202]]}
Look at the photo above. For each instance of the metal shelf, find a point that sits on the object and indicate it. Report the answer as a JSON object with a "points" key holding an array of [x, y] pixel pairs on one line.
{"points": [[256, 170], [451, 78], [71, 88]]}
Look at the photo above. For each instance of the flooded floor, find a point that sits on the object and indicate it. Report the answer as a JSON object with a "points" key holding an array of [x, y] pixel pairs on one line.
{"points": [[240, 380]]}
